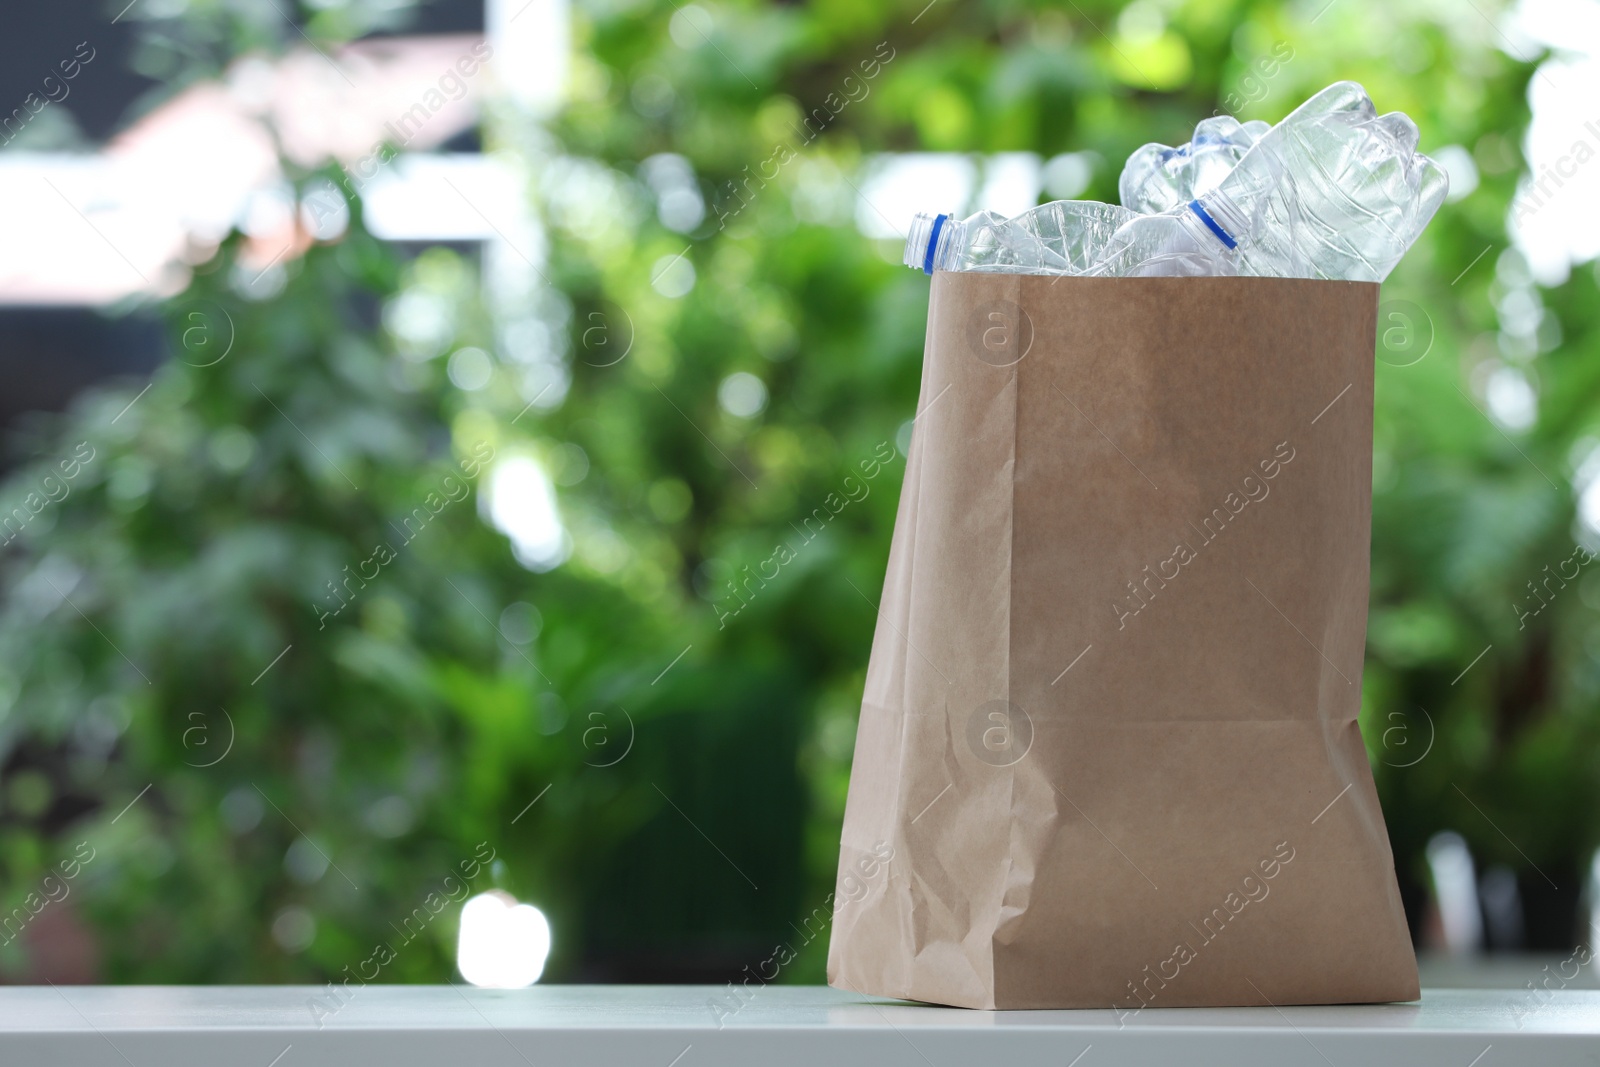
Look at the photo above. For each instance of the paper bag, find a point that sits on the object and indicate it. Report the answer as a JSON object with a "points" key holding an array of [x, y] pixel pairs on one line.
{"points": [[1108, 753]]}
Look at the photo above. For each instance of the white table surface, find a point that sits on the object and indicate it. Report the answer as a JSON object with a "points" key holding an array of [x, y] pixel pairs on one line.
{"points": [[673, 1026]]}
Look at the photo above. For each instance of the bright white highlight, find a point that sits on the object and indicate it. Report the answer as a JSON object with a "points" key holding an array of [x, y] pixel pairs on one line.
{"points": [[742, 395], [897, 186], [1011, 183], [521, 503], [1455, 888], [1512, 402], [1555, 218], [503, 944]]}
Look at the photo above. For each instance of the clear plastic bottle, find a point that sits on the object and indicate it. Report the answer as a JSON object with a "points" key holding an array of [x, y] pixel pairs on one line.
{"points": [[1157, 179], [1061, 237], [1333, 191]]}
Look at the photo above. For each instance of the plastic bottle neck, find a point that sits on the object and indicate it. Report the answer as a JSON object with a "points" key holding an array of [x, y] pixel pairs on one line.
{"points": [[1222, 219], [932, 243]]}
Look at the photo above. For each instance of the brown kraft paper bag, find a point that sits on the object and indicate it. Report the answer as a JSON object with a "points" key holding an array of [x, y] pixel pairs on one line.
{"points": [[1108, 753]]}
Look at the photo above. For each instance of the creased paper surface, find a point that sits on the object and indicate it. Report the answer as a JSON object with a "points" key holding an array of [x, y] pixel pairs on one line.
{"points": [[1109, 726]]}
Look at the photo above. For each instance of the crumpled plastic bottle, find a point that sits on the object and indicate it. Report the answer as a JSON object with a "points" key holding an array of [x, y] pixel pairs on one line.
{"points": [[1157, 178], [1061, 237], [1333, 191]]}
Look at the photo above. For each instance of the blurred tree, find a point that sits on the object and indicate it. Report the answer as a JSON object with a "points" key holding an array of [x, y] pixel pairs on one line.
{"points": [[717, 380]]}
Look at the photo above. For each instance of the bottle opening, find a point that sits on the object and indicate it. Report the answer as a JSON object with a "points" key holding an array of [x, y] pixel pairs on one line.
{"points": [[922, 243]]}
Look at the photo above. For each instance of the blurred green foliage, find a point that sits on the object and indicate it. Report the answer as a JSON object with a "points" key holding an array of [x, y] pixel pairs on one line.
{"points": [[679, 718]]}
